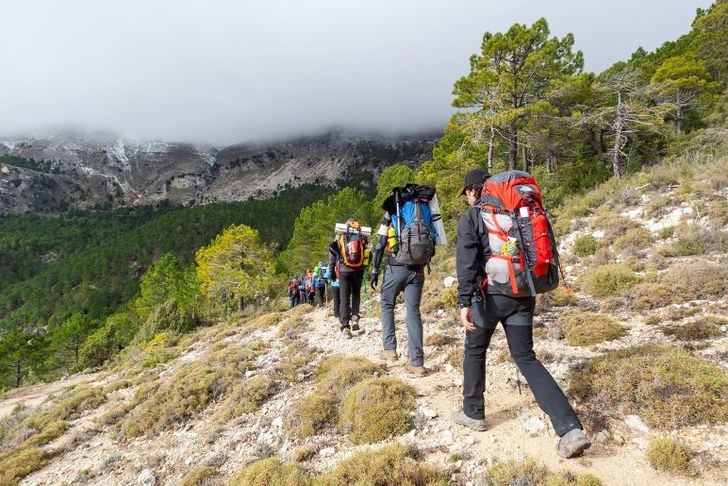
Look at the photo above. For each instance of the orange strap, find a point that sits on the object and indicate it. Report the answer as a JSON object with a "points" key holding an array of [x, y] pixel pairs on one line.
{"points": [[511, 271]]}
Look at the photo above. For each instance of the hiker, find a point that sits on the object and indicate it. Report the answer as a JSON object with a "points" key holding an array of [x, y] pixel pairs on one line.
{"points": [[331, 277], [494, 287], [302, 288], [293, 293], [320, 281], [406, 235], [346, 255], [309, 287]]}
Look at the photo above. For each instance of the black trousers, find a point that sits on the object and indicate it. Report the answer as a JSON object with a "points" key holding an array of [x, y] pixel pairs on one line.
{"points": [[294, 298], [350, 294], [513, 316], [320, 296], [337, 300]]}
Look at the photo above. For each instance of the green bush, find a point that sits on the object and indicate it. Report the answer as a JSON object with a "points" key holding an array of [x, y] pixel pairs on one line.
{"points": [[529, 472], [198, 476], [586, 245], [590, 328], [666, 385], [634, 239], [376, 409], [671, 456], [270, 472], [18, 464], [390, 465], [693, 330], [336, 375], [609, 280]]}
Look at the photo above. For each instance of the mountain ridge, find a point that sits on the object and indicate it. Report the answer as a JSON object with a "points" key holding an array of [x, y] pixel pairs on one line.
{"points": [[49, 174]]}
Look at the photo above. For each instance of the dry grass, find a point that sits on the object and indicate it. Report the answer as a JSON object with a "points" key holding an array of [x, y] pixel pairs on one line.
{"points": [[390, 465], [438, 339], [681, 283], [269, 472], [191, 389], [335, 376], [199, 476], [376, 409], [609, 280], [529, 472], [666, 385], [246, 397], [19, 463], [586, 245], [455, 357], [590, 328], [671, 456], [693, 330], [633, 240]]}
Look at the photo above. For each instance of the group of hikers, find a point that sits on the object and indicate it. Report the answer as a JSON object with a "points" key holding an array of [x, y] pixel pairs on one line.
{"points": [[506, 254]]}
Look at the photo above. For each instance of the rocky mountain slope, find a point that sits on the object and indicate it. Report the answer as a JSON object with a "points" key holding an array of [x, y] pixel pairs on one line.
{"points": [[639, 344], [48, 174]]}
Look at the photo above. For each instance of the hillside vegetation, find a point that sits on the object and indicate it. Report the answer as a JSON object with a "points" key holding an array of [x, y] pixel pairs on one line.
{"points": [[203, 365]]}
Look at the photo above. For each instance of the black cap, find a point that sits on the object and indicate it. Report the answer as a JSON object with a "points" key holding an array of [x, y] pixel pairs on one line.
{"points": [[474, 178]]}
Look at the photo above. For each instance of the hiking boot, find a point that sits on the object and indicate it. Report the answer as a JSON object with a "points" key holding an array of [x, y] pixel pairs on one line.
{"points": [[346, 332], [388, 355], [416, 370], [573, 443], [355, 322], [459, 417]]}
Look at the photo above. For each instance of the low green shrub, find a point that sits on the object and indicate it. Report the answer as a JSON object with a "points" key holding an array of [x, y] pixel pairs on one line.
{"points": [[246, 397], [191, 389], [198, 476], [666, 385], [692, 331], [586, 245], [529, 472], [590, 328], [335, 376], [669, 455], [438, 339], [609, 280], [634, 239], [270, 472], [19, 463], [376, 409]]}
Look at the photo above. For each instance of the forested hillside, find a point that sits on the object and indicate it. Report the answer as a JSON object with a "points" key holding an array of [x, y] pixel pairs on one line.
{"points": [[89, 263]]}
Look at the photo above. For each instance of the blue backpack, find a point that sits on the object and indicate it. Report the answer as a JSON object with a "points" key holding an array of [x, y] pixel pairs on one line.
{"points": [[416, 234]]}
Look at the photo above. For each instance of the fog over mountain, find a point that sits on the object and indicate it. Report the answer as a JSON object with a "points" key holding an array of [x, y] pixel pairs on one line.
{"points": [[222, 71]]}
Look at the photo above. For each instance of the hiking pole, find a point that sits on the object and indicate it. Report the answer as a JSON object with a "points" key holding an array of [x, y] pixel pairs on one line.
{"points": [[366, 298]]}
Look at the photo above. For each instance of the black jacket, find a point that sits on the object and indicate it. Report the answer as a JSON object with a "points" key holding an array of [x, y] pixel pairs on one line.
{"points": [[472, 252]]}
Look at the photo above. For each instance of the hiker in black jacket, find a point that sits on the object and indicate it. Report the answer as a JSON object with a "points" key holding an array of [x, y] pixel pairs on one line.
{"points": [[480, 312]]}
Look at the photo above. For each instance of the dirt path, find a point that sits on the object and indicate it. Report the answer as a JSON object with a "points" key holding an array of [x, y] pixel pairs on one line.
{"points": [[33, 396]]}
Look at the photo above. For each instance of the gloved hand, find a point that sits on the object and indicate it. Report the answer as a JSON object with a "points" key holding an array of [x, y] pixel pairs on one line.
{"points": [[374, 279]]}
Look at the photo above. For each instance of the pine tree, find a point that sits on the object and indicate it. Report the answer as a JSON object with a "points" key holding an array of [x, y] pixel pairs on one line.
{"points": [[236, 265]]}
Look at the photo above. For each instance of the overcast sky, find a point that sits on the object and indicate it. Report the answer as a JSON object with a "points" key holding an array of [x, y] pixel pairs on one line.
{"points": [[225, 71]]}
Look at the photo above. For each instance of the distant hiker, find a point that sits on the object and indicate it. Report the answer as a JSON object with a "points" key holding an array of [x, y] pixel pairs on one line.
{"points": [[506, 254], [407, 236], [302, 288], [346, 254], [334, 284], [310, 287], [294, 296], [320, 281]]}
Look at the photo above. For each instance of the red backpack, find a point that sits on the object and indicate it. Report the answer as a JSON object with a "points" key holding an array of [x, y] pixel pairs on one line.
{"points": [[523, 258]]}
